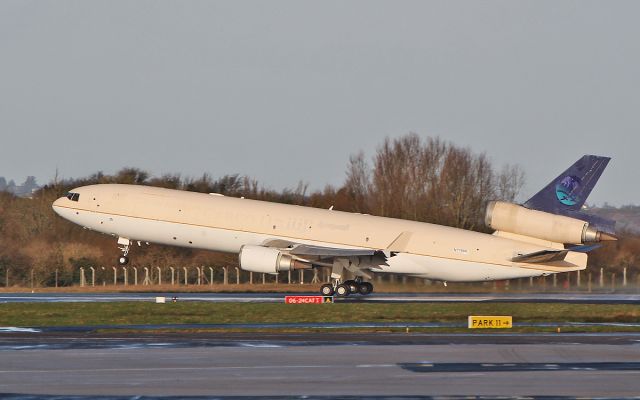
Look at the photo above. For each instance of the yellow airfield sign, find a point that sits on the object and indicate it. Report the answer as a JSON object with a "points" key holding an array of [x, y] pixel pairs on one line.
{"points": [[490, 321]]}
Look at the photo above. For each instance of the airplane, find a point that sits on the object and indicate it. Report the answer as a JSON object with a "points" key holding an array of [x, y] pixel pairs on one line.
{"points": [[550, 233]]}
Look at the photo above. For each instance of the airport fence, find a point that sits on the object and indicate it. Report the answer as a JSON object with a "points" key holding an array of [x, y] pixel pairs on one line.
{"points": [[201, 277]]}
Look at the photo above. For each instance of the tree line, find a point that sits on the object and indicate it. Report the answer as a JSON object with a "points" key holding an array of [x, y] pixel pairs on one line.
{"points": [[410, 177]]}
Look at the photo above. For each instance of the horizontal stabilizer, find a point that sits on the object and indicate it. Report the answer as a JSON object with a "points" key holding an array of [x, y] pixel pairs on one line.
{"points": [[585, 248], [543, 256], [547, 256]]}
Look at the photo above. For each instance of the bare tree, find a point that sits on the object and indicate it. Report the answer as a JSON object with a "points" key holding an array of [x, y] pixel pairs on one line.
{"points": [[434, 181], [509, 182], [357, 183]]}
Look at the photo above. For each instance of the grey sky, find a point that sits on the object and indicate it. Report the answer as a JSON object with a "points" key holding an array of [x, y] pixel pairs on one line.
{"points": [[285, 90]]}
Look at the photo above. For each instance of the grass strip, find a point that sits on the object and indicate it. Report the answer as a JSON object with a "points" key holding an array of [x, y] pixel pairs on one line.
{"points": [[126, 313]]}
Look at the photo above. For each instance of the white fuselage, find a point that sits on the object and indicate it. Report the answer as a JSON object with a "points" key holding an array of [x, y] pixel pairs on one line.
{"points": [[225, 224]]}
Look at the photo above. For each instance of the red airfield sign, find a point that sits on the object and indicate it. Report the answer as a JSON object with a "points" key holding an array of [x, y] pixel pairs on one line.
{"points": [[308, 299]]}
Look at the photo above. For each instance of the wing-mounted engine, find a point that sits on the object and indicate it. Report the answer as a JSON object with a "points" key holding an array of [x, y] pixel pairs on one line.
{"points": [[268, 260], [513, 218], [276, 255]]}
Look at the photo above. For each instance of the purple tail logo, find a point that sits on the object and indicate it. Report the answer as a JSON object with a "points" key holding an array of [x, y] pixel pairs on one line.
{"points": [[566, 190]]}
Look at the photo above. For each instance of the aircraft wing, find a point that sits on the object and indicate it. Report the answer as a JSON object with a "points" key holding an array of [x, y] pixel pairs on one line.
{"points": [[299, 249], [309, 250], [325, 254]]}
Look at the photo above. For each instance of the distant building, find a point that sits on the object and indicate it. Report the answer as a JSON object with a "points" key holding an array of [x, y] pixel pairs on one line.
{"points": [[28, 187]]}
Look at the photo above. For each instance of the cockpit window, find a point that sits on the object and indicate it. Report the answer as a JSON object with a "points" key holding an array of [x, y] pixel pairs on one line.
{"points": [[73, 196]]}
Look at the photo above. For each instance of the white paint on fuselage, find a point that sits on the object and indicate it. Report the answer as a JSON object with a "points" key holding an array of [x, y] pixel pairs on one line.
{"points": [[446, 269], [225, 240]]}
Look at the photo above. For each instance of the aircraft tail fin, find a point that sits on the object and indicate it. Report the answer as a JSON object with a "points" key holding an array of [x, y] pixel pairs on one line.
{"points": [[566, 194], [570, 190]]}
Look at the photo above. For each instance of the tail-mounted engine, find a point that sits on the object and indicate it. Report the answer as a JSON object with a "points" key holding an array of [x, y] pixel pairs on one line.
{"points": [[513, 218]]}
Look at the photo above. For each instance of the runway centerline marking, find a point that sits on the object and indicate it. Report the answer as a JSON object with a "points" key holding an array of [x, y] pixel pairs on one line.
{"points": [[520, 367], [375, 365], [170, 368]]}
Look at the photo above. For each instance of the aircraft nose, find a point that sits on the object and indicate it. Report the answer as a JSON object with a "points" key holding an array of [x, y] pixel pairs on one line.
{"points": [[58, 204]]}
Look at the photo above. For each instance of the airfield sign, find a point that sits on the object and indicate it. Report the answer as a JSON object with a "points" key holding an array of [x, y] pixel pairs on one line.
{"points": [[308, 299], [490, 321]]}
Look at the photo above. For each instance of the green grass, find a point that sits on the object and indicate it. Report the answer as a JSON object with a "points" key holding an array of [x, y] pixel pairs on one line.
{"points": [[125, 313]]}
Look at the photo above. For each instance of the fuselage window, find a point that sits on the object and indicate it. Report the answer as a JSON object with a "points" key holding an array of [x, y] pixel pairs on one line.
{"points": [[73, 196]]}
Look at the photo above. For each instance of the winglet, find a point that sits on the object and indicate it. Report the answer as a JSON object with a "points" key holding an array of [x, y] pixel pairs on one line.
{"points": [[400, 243]]}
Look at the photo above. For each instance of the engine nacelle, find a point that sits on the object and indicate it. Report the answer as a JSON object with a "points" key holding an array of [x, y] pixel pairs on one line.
{"points": [[267, 260], [508, 217]]}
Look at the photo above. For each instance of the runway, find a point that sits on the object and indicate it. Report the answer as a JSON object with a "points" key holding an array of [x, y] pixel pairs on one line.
{"points": [[326, 326], [23, 340], [592, 298], [45, 362], [326, 365]]}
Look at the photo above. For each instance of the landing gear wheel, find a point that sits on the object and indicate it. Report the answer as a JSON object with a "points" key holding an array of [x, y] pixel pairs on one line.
{"points": [[327, 289], [365, 288], [124, 248], [353, 286], [342, 290]]}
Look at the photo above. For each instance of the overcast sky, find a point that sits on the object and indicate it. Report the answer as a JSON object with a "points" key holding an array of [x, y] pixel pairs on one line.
{"points": [[285, 90]]}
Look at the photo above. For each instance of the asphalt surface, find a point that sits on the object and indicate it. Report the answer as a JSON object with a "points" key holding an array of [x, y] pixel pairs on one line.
{"points": [[326, 326], [28, 340], [60, 362], [606, 298], [322, 365]]}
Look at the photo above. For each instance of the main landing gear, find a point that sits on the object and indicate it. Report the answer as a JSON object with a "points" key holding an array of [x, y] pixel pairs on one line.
{"points": [[346, 288], [351, 286]]}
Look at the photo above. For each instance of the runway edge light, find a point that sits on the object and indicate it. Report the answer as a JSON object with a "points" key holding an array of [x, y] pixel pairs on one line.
{"points": [[490, 321]]}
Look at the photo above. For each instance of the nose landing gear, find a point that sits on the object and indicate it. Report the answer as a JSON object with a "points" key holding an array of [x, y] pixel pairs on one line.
{"points": [[124, 247]]}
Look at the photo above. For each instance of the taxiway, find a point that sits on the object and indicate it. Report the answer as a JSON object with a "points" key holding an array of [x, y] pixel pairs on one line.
{"points": [[325, 365]]}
